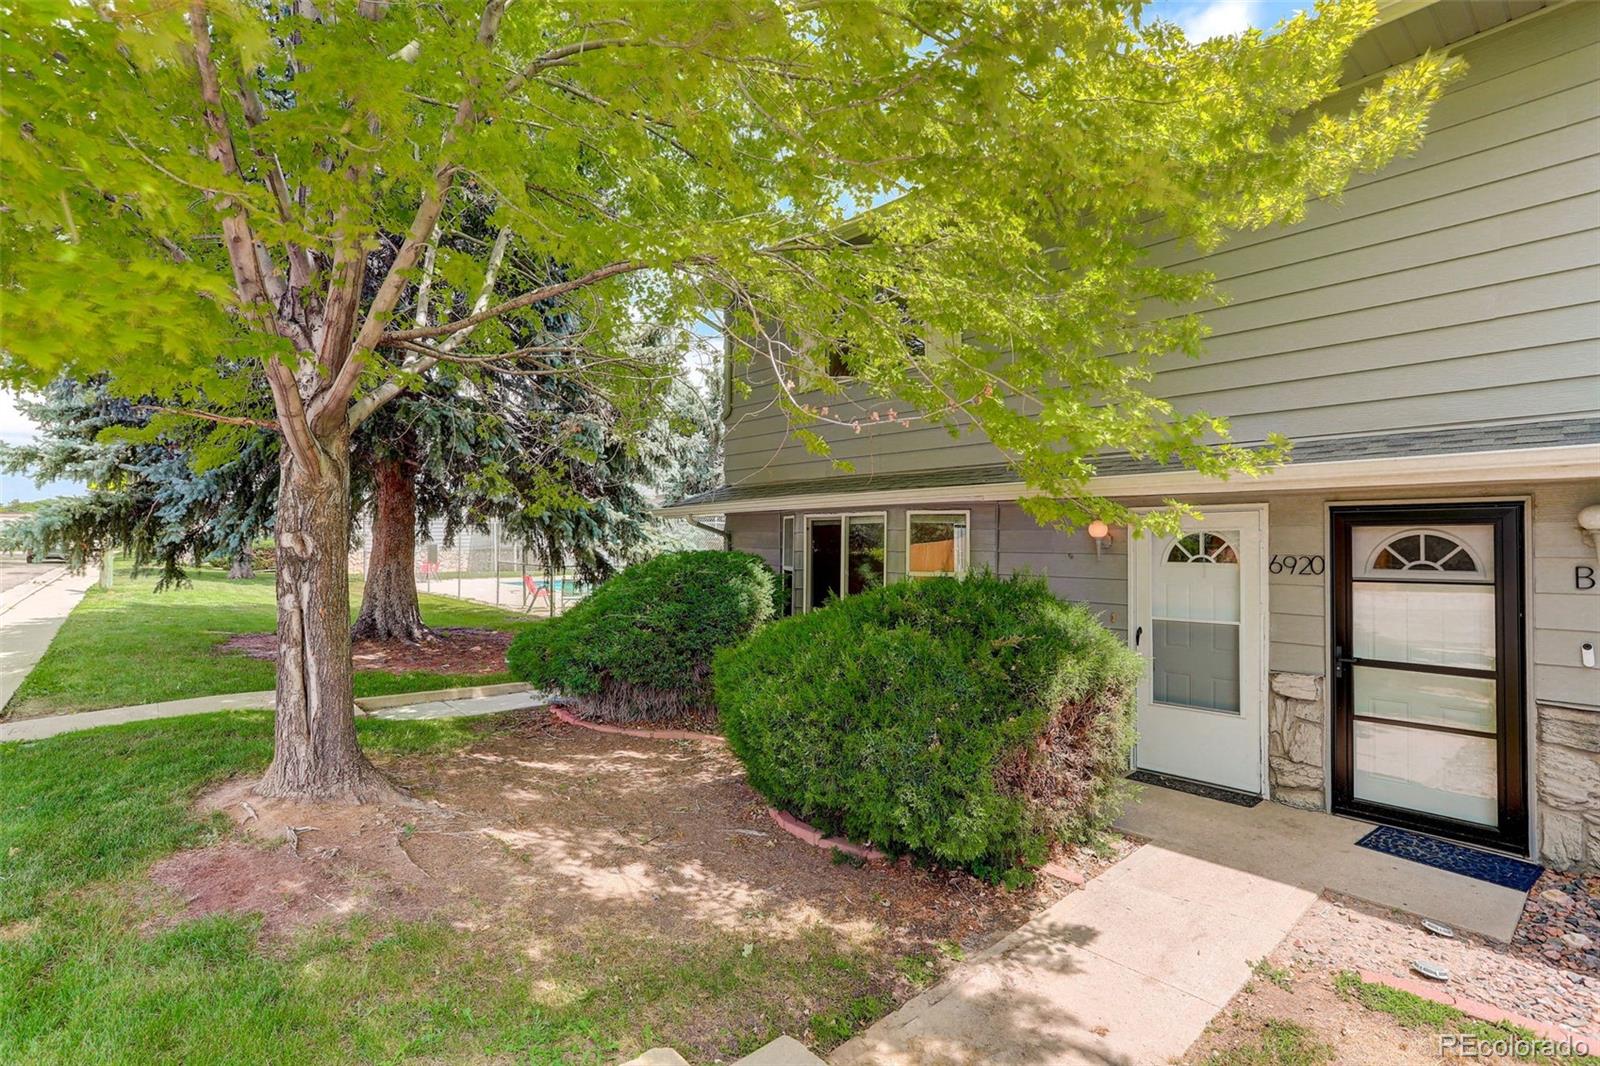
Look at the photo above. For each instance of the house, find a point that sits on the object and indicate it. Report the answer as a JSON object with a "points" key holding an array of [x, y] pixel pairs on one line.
{"points": [[1401, 623]]}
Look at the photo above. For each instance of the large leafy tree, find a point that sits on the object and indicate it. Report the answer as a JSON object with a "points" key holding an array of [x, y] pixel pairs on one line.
{"points": [[195, 188]]}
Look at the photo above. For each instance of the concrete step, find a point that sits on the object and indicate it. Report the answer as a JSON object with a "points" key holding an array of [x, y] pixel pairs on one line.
{"points": [[784, 1051]]}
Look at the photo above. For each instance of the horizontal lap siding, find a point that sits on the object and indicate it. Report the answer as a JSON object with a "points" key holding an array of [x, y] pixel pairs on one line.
{"points": [[1006, 540], [1457, 286], [1564, 618]]}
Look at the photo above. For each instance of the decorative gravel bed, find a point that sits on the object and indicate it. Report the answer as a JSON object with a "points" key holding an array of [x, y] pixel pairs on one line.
{"points": [[1344, 934], [1561, 922]]}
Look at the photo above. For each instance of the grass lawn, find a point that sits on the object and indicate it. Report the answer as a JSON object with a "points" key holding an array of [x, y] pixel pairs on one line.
{"points": [[131, 645], [96, 965]]}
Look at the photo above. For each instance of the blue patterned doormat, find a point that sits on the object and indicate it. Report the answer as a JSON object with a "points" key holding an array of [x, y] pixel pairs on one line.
{"points": [[1499, 870]]}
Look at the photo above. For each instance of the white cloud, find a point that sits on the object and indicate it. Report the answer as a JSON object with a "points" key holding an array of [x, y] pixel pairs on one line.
{"points": [[14, 425]]}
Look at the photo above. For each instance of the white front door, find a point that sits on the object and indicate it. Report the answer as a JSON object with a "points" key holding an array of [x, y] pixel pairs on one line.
{"points": [[1199, 610]]}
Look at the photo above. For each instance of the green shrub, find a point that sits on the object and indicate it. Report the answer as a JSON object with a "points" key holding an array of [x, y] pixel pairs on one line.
{"points": [[969, 721], [640, 645]]}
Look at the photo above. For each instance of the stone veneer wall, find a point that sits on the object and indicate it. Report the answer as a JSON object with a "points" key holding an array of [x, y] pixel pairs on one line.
{"points": [[1569, 786], [1296, 726]]}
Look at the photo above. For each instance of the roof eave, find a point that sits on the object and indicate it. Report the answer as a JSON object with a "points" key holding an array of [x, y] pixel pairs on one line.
{"points": [[1556, 463]]}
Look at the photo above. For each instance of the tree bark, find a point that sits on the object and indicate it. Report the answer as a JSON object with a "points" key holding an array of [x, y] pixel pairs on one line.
{"points": [[315, 755], [242, 567], [389, 609]]}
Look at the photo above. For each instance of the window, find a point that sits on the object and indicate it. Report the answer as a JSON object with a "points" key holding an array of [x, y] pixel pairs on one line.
{"points": [[786, 563], [1425, 549], [838, 364], [865, 561], [936, 543], [1202, 548], [839, 350]]}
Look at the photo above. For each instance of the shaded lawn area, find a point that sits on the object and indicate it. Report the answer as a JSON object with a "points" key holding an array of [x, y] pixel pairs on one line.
{"points": [[132, 645], [97, 964]]}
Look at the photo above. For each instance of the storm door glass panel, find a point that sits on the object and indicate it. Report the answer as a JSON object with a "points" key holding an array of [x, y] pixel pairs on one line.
{"points": [[864, 566], [1195, 617], [1422, 671]]}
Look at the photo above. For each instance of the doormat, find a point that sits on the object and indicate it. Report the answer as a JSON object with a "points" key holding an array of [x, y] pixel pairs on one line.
{"points": [[1500, 870], [1195, 788]]}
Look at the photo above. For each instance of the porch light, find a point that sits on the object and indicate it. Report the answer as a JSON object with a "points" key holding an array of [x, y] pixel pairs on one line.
{"points": [[1589, 525], [1100, 533]]}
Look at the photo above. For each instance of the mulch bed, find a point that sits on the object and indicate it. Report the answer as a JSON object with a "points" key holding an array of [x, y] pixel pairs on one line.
{"points": [[460, 650], [1561, 922]]}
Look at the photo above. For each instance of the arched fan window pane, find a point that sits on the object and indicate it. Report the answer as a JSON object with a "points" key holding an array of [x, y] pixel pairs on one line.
{"points": [[1427, 550], [1202, 548]]}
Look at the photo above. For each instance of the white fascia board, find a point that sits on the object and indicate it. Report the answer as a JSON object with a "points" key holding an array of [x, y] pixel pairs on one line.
{"points": [[1566, 462]]}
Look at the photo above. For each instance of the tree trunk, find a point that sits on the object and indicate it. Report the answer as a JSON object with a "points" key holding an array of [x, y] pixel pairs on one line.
{"points": [[315, 755], [389, 608], [242, 567]]}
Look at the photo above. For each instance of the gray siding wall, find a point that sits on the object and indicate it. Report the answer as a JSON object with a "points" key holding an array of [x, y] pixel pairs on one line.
{"points": [[1460, 285], [1006, 539]]}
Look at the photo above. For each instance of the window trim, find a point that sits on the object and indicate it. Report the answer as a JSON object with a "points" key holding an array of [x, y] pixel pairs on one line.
{"points": [[844, 518], [963, 564]]}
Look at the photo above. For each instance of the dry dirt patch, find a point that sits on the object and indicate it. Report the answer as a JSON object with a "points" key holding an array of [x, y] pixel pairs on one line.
{"points": [[1351, 1034], [539, 828], [458, 650]]}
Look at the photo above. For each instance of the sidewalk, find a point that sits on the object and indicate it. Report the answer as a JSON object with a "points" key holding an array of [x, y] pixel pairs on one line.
{"points": [[443, 703], [30, 615], [1129, 971], [1132, 968]]}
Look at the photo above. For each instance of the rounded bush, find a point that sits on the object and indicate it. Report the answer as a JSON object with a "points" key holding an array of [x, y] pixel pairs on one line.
{"points": [[968, 721], [640, 646]]}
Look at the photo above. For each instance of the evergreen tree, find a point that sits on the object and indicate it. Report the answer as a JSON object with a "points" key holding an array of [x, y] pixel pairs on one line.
{"points": [[158, 487]]}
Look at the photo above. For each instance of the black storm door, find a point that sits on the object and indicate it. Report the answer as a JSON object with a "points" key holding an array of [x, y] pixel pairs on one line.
{"points": [[1427, 669]]}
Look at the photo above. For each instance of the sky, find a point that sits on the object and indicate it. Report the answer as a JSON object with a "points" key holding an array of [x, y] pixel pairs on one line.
{"points": [[1200, 19]]}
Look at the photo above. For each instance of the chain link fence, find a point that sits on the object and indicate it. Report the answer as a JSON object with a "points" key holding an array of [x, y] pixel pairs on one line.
{"points": [[485, 567]]}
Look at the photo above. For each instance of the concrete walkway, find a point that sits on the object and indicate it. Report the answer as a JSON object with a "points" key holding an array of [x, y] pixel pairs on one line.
{"points": [[30, 614], [1132, 968], [445, 703]]}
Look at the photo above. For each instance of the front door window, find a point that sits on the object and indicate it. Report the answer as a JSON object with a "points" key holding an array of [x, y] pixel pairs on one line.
{"points": [[1195, 618]]}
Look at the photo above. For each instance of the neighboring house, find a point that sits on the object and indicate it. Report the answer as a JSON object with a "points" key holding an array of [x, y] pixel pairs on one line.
{"points": [[1401, 623]]}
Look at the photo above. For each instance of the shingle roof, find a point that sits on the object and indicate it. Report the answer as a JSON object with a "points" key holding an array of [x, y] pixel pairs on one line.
{"points": [[1570, 431]]}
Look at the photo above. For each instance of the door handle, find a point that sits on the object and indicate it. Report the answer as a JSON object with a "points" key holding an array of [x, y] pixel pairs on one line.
{"points": [[1340, 660], [1138, 632]]}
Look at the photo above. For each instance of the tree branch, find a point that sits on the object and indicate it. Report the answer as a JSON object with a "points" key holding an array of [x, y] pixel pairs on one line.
{"points": [[333, 402], [226, 420], [527, 299], [363, 408], [241, 248]]}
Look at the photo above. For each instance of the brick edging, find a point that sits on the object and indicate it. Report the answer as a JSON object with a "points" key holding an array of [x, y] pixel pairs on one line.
{"points": [[1484, 1012], [813, 836], [647, 734]]}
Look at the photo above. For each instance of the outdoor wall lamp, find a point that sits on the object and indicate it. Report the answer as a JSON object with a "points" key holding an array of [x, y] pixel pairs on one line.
{"points": [[1589, 523], [1100, 533]]}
